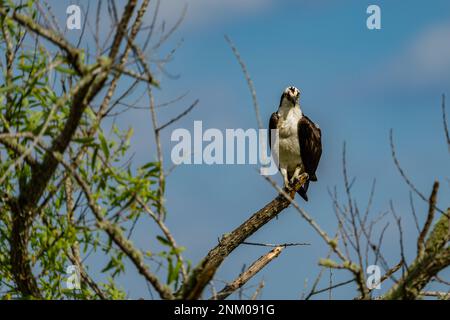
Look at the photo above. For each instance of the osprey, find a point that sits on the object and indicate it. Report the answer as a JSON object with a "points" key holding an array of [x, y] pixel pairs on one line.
{"points": [[298, 145]]}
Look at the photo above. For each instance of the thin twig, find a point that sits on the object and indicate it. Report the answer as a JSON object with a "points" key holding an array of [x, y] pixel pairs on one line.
{"points": [[403, 174], [340, 284], [276, 245], [258, 290], [413, 211], [181, 115], [444, 120], [249, 81], [168, 235]]}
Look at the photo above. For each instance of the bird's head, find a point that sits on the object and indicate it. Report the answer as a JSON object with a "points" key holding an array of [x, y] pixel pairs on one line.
{"points": [[290, 96]]}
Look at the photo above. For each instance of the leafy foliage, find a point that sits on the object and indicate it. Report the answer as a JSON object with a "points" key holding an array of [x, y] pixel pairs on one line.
{"points": [[36, 94]]}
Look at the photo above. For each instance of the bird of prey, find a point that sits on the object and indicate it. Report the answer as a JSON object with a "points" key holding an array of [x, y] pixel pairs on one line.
{"points": [[297, 147]]}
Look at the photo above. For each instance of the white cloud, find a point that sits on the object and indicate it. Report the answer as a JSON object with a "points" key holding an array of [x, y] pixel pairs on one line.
{"points": [[424, 61], [201, 13], [431, 50]]}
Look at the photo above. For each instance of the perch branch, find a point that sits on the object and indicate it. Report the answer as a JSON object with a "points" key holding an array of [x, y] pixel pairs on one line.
{"points": [[332, 243], [205, 271]]}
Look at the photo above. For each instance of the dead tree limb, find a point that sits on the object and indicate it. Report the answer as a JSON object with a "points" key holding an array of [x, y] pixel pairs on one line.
{"points": [[205, 271], [242, 279]]}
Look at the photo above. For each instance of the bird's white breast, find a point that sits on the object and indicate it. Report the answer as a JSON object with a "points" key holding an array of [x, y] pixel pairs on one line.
{"points": [[289, 148]]}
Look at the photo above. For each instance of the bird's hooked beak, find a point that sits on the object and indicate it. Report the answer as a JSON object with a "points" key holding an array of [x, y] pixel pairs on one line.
{"points": [[292, 94]]}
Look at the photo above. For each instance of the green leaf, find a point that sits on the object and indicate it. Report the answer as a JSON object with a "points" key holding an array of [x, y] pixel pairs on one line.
{"points": [[84, 140], [130, 133], [104, 145], [170, 272], [94, 158], [163, 241], [66, 70]]}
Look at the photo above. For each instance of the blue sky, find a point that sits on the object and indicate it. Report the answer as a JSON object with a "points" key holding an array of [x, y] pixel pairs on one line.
{"points": [[356, 84]]}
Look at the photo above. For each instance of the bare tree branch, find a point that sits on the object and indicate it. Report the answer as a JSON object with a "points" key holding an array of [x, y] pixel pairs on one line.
{"points": [[444, 120], [258, 290], [438, 294], [256, 266], [430, 217], [403, 174], [181, 115], [276, 245], [205, 271], [249, 82], [168, 235]]}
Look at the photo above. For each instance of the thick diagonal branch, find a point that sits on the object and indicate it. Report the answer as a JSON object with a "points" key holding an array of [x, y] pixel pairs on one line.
{"points": [[205, 271]]}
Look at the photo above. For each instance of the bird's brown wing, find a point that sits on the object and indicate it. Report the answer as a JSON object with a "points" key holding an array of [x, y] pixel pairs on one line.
{"points": [[273, 124], [309, 137]]}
